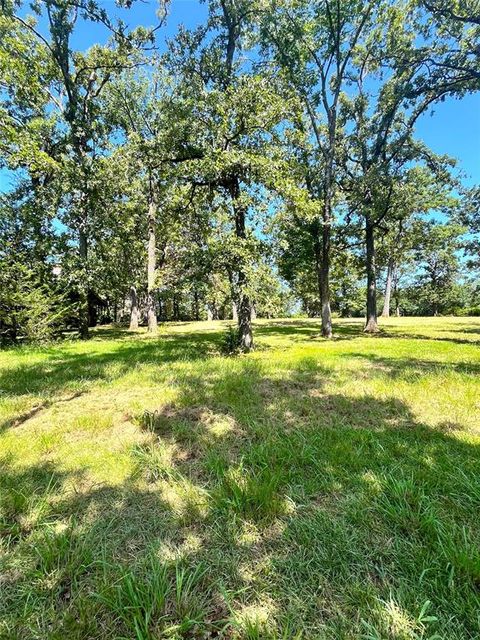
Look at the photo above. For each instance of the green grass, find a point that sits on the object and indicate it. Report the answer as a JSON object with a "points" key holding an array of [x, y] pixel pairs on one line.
{"points": [[153, 488]]}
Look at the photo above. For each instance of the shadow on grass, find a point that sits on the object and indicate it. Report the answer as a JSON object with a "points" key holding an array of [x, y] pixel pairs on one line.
{"points": [[303, 329], [409, 367], [323, 513], [345, 330], [61, 368]]}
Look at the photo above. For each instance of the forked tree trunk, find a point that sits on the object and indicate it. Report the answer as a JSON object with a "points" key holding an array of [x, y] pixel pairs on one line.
{"points": [[134, 310], [151, 264], [371, 325], [388, 289]]}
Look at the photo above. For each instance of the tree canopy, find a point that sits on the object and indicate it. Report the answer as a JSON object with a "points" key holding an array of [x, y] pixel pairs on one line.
{"points": [[264, 163]]}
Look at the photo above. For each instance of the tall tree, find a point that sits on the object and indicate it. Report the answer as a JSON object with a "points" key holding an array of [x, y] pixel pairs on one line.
{"points": [[74, 92], [314, 45], [239, 110]]}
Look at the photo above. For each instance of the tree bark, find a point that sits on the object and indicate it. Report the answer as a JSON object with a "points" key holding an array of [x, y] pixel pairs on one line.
{"points": [[325, 280], [253, 312], [209, 313], [245, 334], [396, 294], [388, 288], [83, 320], [234, 311], [196, 310], [321, 245], [134, 309], [371, 325], [151, 264]]}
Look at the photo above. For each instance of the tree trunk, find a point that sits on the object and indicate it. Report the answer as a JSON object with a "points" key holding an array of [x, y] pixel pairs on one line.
{"points": [[209, 313], [388, 288], [396, 295], [371, 325], [253, 312], [161, 307], [176, 308], [196, 310], [134, 309], [322, 269], [83, 320], [245, 334], [151, 264], [325, 281], [234, 311]]}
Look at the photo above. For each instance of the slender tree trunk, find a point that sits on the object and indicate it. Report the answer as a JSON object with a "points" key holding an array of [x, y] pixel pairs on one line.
{"points": [[388, 288], [371, 325], [321, 245], [325, 280], [396, 295], [151, 264], [253, 312], [245, 334], [234, 311], [134, 309], [161, 307], [176, 308], [209, 313], [83, 288], [196, 310]]}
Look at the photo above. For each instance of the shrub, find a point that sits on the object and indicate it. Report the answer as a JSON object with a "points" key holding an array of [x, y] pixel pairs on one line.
{"points": [[231, 341], [29, 310]]}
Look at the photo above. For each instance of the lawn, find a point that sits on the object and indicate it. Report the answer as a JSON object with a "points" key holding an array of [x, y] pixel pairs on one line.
{"points": [[153, 488]]}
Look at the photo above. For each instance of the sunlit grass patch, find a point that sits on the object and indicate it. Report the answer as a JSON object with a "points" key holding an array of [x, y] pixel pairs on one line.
{"points": [[158, 600], [311, 489]]}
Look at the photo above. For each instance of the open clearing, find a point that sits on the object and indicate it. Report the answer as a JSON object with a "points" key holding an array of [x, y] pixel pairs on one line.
{"points": [[152, 488]]}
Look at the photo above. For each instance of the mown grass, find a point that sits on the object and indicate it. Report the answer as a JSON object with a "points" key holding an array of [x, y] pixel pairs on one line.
{"points": [[152, 488]]}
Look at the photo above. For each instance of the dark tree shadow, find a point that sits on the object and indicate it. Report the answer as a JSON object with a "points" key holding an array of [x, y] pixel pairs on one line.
{"points": [[332, 508], [61, 368], [353, 503], [406, 367]]}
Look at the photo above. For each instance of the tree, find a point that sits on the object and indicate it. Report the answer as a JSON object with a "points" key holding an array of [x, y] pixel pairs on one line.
{"points": [[75, 85], [238, 110], [315, 45], [452, 33], [437, 257]]}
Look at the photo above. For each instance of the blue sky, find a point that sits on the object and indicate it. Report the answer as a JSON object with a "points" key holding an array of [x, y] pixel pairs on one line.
{"points": [[454, 129]]}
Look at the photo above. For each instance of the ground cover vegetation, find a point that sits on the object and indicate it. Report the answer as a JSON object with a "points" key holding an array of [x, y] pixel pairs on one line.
{"points": [[152, 487]]}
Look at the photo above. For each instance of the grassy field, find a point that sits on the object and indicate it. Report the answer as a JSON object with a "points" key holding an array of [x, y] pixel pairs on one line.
{"points": [[153, 488]]}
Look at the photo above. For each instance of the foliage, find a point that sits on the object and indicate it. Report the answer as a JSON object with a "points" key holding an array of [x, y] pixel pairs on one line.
{"points": [[29, 310], [231, 341]]}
